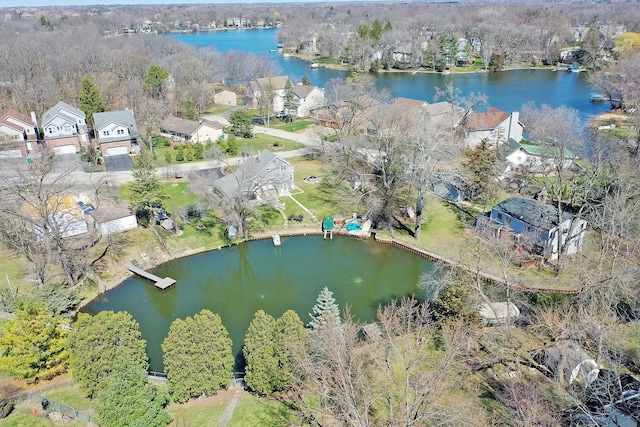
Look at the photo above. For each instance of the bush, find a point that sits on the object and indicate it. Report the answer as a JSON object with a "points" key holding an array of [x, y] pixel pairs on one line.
{"points": [[180, 154], [168, 156], [6, 406]]}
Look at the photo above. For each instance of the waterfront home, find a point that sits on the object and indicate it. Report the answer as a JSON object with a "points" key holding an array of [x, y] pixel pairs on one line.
{"points": [[350, 115], [116, 132], [111, 219], [189, 131], [18, 134], [261, 177], [534, 226], [494, 125], [64, 128], [59, 216], [272, 87]]}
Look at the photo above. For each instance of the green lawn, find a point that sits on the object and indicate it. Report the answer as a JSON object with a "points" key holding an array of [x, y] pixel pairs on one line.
{"points": [[261, 142], [22, 417], [295, 126], [70, 396], [255, 411]]}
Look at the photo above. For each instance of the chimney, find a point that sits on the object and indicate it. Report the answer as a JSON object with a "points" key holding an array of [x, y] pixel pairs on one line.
{"points": [[258, 156], [33, 118]]}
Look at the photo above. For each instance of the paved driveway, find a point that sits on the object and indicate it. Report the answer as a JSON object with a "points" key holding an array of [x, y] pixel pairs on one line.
{"points": [[118, 163]]}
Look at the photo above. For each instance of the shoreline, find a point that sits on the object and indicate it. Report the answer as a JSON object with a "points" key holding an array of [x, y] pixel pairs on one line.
{"points": [[124, 274]]}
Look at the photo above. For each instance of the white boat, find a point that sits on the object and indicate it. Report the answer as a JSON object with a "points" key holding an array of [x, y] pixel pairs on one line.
{"points": [[276, 240], [286, 55], [598, 97], [314, 65]]}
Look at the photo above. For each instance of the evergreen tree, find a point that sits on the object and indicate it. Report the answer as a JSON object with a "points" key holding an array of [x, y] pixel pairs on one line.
{"points": [[101, 344], [129, 400], [325, 312], [154, 80], [291, 337], [260, 354], [197, 356], [289, 97], [481, 169], [241, 123], [189, 110], [90, 99], [306, 80], [146, 192], [33, 345]]}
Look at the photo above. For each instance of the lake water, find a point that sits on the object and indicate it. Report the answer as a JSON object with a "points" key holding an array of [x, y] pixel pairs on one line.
{"points": [[235, 282], [507, 91]]}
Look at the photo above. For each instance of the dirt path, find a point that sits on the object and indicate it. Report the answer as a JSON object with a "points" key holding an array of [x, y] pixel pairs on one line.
{"points": [[228, 412]]}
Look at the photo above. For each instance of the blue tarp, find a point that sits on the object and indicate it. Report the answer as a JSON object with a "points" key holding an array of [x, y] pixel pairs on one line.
{"points": [[352, 226]]}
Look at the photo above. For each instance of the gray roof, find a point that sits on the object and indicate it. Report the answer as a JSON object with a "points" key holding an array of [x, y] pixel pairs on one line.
{"points": [[278, 82], [245, 174], [533, 212], [122, 117], [55, 111]]}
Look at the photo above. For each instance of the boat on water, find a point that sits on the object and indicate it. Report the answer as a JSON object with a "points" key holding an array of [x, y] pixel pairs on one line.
{"points": [[314, 65], [574, 68], [286, 55], [273, 50], [276, 239], [598, 97]]}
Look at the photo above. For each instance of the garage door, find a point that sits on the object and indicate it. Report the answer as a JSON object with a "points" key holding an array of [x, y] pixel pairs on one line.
{"points": [[116, 151], [64, 149]]}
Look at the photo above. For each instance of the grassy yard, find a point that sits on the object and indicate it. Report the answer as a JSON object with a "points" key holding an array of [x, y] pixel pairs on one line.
{"points": [[255, 411], [295, 126], [200, 412]]}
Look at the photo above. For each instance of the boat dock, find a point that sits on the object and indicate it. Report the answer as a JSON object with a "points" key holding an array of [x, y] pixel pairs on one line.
{"points": [[157, 281]]}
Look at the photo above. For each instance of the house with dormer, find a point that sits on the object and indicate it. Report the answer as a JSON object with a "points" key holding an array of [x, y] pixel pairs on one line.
{"points": [[64, 128], [18, 134], [116, 132], [536, 226], [494, 125]]}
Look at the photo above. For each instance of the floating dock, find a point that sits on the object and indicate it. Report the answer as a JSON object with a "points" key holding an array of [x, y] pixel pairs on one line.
{"points": [[276, 240], [157, 281]]}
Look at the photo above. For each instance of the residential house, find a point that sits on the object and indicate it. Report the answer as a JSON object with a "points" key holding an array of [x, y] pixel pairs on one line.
{"points": [[536, 158], [535, 225], [190, 131], [494, 125], [226, 98], [64, 128], [111, 219], [271, 87], [409, 53], [307, 98], [18, 134], [116, 132], [262, 176], [348, 114], [61, 216], [443, 113]]}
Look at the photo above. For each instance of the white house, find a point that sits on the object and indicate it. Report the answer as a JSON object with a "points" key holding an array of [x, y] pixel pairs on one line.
{"points": [[262, 176], [110, 219], [494, 125], [537, 158], [260, 87], [190, 131], [307, 98], [536, 225], [116, 131], [18, 134], [64, 128]]}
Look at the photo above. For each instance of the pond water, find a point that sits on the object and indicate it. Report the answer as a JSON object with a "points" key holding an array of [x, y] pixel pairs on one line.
{"points": [[237, 281]]}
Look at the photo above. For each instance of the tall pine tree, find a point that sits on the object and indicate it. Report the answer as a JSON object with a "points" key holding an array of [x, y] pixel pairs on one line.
{"points": [[146, 192], [260, 354], [90, 99], [325, 312]]}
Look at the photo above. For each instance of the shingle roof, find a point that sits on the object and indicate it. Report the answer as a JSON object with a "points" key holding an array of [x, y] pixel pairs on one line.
{"points": [[408, 105], [178, 125], [543, 151], [533, 212], [245, 174], [15, 115], [279, 82], [485, 121], [55, 110], [123, 118], [303, 90]]}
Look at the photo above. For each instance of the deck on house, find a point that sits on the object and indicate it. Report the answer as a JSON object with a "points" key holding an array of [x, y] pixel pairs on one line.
{"points": [[157, 281]]}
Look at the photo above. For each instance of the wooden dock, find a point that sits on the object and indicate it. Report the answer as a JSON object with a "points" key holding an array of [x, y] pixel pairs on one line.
{"points": [[157, 281]]}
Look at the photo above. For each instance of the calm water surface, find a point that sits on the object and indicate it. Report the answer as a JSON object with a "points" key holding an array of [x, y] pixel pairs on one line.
{"points": [[507, 91], [235, 282]]}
